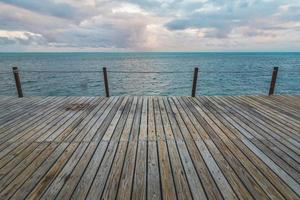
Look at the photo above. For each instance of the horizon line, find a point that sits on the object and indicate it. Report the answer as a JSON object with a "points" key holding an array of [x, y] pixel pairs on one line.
{"points": [[150, 52]]}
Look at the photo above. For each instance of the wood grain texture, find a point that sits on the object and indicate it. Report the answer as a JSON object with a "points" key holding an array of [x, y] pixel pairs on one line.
{"points": [[218, 147]]}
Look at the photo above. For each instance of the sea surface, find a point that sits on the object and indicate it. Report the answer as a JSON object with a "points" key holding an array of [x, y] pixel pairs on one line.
{"points": [[80, 74]]}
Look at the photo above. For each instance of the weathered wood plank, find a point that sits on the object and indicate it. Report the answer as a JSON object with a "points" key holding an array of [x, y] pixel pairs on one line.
{"points": [[179, 174], [244, 147], [99, 183], [220, 138], [67, 180], [247, 148], [126, 179], [140, 175], [153, 173], [234, 180], [56, 168], [166, 174], [112, 183]]}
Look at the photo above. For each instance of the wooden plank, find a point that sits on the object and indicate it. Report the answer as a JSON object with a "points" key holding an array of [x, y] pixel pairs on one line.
{"points": [[65, 122], [93, 113], [36, 165], [271, 120], [282, 105], [20, 129], [89, 131], [272, 114], [87, 177], [140, 175], [116, 178], [55, 172], [127, 176], [233, 163], [64, 175], [19, 149], [91, 136], [276, 154], [283, 142], [80, 118], [150, 147], [179, 174], [263, 132], [258, 163], [216, 148], [12, 104], [24, 114], [85, 181], [14, 109], [220, 138], [67, 180], [8, 188], [288, 101], [151, 120], [260, 126], [103, 173], [207, 180], [15, 121], [280, 109], [16, 132], [153, 173], [166, 174], [187, 127], [17, 146], [8, 174]]}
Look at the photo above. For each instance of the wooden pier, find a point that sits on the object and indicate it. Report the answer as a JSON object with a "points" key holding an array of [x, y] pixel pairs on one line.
{"points": [[245, 147]]}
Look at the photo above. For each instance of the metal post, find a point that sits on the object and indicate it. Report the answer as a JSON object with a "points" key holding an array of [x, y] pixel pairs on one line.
{"points": [[194, 88], [105, 81], [18, 82], [273, 81]]}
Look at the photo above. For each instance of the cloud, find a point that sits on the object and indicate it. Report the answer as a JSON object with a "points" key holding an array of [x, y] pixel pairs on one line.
{"points": [[16, 18], [21, 37], [225, 16], [47, 7], [154, 25]]}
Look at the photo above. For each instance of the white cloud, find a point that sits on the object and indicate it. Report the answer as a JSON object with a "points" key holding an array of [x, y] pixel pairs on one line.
{"points": [[24, 35], [208, 8], [154, 25], [128, 8], [21, 37]]}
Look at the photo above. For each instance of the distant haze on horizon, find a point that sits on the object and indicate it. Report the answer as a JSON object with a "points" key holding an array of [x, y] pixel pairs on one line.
{"points": [[149, 25]]}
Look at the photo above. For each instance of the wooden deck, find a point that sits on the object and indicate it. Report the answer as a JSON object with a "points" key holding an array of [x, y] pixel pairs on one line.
{"points": [[243, 147]]}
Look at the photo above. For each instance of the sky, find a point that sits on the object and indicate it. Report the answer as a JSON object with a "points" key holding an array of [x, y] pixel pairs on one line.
{"points": [[149, 25]]}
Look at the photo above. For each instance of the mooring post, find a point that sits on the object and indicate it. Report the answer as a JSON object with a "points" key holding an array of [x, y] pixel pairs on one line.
{"points": [[194, 88], [105, 81], [273, 81], [18, 82]]}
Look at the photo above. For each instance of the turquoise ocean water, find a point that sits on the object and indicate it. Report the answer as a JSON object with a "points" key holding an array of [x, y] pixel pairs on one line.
{"points": [[79, 74]]}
